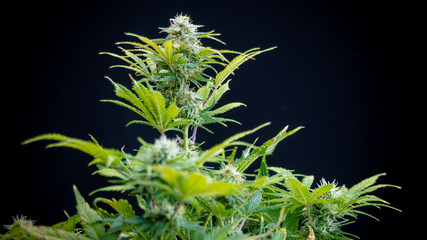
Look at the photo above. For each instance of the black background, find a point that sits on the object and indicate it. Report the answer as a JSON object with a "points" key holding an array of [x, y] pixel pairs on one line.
{"points": [[342, 69]]}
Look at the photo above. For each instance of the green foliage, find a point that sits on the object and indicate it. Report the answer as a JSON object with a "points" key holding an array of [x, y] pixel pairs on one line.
{"points": [[150, 105], [101, 155], [173, 188]]}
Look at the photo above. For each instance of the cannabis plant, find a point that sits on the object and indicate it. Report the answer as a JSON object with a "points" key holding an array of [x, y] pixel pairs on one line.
{"points": [[179, 189]]}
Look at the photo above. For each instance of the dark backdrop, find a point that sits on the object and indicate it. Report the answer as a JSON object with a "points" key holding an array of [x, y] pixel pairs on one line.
{"points": [[340, 70]]}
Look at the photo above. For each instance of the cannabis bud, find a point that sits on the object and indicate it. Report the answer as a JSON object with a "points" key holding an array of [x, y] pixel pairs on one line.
{"points": [[182, 31]]}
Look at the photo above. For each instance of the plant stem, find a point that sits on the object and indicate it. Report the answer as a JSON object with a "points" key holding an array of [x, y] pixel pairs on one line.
{"points": [[271, 230], [193, 136], [209, 96], [185, 136], [180, 204], [195, 127], [208, 219], [309, 214]]}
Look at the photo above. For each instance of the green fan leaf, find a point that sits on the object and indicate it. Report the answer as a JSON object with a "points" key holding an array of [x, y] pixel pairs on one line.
{"points": [[299, 191], [148, 104], [100, 154], [48, 233], [217, 149], [266, 148], [189, 185], [236, 62], [224, 109]]}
